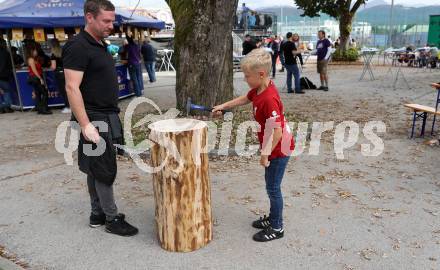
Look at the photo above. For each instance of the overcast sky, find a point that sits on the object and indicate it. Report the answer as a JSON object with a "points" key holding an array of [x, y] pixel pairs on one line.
{"points": [[261, 3]]}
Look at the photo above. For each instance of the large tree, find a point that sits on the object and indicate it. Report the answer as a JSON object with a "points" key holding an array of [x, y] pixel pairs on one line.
{"points": [[342, 10], [203, 50]]}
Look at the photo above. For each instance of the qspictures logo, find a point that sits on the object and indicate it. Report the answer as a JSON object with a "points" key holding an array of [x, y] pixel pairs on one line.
{"points": [[308, 137]]}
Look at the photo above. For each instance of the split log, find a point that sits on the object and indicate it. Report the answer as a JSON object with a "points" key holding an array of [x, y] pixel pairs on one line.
{"points": [[181, 183]]}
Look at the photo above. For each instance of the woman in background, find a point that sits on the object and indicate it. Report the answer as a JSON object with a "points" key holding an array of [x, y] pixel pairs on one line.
{"points": [[297, 41], [56, 64], [36, 78]]}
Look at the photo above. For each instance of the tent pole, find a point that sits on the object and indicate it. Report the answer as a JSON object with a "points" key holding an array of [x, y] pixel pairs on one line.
{"points": [[14, 71]]}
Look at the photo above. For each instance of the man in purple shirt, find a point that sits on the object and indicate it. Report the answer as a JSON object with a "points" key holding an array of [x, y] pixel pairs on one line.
{"points": [[134, 65], [323, 51]]}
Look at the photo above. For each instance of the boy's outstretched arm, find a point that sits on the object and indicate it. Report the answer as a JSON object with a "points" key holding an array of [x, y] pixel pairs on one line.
{"points": [[435, 85], [242, 100]]}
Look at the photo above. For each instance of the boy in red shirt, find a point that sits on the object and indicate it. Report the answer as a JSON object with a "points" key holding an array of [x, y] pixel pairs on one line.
{"points": [[275, 137]]}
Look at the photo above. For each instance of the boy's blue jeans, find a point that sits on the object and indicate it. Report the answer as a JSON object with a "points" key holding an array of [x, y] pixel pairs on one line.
{"points": [[274, 176]]}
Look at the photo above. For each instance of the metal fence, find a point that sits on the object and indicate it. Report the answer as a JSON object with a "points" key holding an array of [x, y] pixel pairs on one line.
{"points": [[365, 34]]}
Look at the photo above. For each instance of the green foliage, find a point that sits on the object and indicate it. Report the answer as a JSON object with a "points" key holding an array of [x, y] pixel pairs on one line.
{"points": [[350, 55], [342, 10], [334, 8]]}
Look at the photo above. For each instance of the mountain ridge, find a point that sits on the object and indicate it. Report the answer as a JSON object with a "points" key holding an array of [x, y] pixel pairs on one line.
{"points": [[375, 14]]}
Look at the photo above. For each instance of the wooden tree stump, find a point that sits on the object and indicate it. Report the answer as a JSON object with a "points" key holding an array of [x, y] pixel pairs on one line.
{"points": [[182, 189]]}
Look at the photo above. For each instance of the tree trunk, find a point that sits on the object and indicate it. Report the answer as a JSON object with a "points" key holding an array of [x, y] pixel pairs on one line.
{"points": [[182, 189], [203, 50], [345, 26]]}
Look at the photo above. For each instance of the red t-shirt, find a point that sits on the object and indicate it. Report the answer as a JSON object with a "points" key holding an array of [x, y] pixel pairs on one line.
{"points": [[38, 68], [268, 111]]}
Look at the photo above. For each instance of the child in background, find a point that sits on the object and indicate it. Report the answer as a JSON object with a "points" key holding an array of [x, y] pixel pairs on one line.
{"points": [[276, 140]]}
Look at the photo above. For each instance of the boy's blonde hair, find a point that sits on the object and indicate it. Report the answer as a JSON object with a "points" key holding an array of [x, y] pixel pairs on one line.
{"points": [[258, 59]]}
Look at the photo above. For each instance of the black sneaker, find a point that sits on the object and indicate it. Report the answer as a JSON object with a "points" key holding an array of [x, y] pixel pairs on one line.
{"points": [[300, 92], [261, 223], [45, 112], [326, 89], [8, 110], [120, 227], [321, 88], [268, 234], [97, 220]]}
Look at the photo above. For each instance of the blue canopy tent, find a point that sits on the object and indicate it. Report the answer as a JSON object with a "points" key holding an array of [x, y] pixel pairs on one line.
{"points": [[57, 14], [61, 13], [139, 21]]}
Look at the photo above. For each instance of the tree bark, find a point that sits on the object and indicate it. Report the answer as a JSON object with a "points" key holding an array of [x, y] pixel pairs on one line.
{"points": [[203, 50], [182, 188], [345, 27]]}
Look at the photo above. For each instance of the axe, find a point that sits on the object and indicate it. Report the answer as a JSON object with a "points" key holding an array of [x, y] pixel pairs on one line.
{"points": [[190, 106]]}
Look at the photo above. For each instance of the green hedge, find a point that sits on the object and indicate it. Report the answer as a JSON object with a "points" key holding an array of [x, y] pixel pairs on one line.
{"points": [[350, 55]]}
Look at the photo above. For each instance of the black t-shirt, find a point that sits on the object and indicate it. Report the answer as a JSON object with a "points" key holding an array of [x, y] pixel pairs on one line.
{"points": [[58, 61], [148, 52], [248, 46], [5, 65], [99, 86], [289, 57]]}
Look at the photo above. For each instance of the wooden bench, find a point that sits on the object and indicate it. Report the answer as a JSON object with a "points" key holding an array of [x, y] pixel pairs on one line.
{"points": [[421, 112]]}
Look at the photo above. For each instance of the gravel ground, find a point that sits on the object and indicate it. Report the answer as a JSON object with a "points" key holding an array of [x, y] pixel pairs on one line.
{"points": [[357, 213]]}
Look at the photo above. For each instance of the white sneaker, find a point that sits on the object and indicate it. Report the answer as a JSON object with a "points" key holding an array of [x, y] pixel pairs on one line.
{"points": [[66, 110]]}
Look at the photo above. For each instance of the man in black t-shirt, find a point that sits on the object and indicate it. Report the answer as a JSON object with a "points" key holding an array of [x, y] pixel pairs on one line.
{"points": [[92, 89], [5, 78], [274, 45], [248, 45], [290, 63]]}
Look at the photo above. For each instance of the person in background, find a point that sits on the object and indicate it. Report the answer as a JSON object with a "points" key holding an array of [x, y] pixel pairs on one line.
{"points": [[6, 77], [282, 42], [260, 43], [296, 39], [353, 43], [42, 56], [36, 79], [290, 52], [112, 49], [323, 51], [252, 20], [149, 54], [433, 57], [135, 65], [435, 85], [122, 52], [248, 45], [275, 46], [330, 39], [57, 66], [310, 46], [337, 42], [244, 14], [18, 59]]}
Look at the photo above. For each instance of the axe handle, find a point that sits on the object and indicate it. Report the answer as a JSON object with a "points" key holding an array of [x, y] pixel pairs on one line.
{"points": [[223, 111]]}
